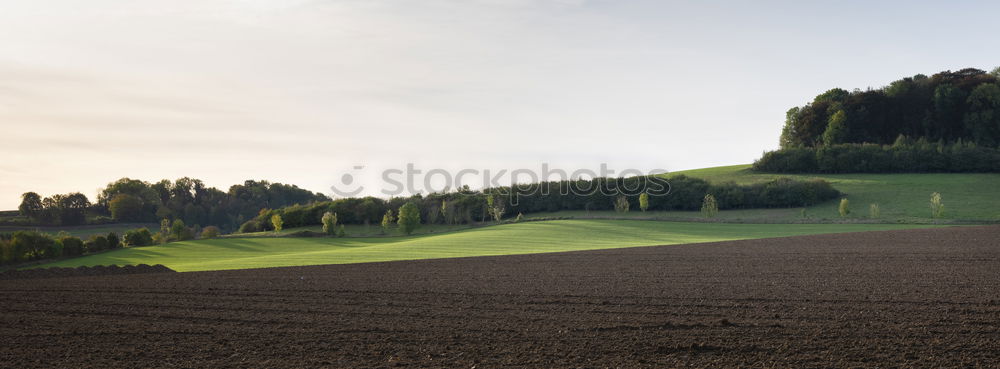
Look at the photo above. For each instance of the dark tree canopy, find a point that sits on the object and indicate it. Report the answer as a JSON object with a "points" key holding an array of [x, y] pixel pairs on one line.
{"points": [[948, 106]]}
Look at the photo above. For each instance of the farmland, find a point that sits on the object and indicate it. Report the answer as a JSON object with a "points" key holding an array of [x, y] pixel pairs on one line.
{"points": [[912, 298], [518, 238]]}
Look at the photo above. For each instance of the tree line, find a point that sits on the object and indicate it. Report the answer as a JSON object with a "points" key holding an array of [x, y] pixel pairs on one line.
{"points": [[131, 200], [467, 207]]}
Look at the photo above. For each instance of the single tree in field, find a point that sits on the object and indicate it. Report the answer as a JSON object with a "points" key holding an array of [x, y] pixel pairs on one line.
{"points": [[495, 207], [874, 211], [31, 205], [937, 207], [709, 207], [164, 231], [644, 202], [277, 222], [845, 208], [621, 204], [387, 221], [329, 223], [409, 218]]}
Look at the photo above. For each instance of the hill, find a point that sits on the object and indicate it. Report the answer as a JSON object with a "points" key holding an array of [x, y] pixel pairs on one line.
{"points": [[518, 238]]}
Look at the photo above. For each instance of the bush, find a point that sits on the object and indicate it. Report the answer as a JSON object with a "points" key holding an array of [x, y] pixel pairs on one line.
{"points": [[72, 246], [95, 244], [845, 208], [251, 226], [874, 211], [341, 232], [31, 245], [210, 232], [138, 237], [277, 222]]}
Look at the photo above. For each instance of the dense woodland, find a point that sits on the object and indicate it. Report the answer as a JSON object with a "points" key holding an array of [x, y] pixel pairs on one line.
{"points": [[129, 200], [951, 119]]}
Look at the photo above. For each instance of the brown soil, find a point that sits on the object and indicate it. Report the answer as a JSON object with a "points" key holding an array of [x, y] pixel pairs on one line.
{"points": [[83, 271], [920, 298]]}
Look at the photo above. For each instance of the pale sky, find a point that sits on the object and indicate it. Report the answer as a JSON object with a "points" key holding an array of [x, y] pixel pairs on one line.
{"points": [[301, 91]]}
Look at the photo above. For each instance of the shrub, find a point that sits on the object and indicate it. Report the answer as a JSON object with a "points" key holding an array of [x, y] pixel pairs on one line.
{"points": [[937, 207], [905, 156], [30, 245], [72, 246], [709, 207], [341, 232], [643, 202], [95, 244], [138, 237], [874, 211], [250, 226], [210, 232], [845, 207]]}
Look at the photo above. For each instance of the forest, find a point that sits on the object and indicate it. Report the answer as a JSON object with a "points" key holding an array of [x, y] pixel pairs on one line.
{"points": [[951, 119]]}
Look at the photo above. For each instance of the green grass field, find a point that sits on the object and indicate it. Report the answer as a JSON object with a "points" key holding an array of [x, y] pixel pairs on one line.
{"points": [[902, 197], [519, 238], [85, 231]]}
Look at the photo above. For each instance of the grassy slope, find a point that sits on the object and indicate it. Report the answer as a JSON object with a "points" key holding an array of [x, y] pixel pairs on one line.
{"points": [[520, 238], [967, 196], [903, 198]]}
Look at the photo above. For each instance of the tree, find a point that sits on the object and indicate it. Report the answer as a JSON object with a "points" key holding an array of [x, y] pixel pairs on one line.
{"points": [[72, 208], [210, 232], [387, 221], [982, 119], [409, 218], [709, 207], [874, 211], [179, 231], [277, 222], [164, 234], [836, 130], [329, 221], [621, 204], [341, 232], [31, 205], [845, 207], [125, 208], [113, 241], [495, 208], [644, 202], [937, 207]]}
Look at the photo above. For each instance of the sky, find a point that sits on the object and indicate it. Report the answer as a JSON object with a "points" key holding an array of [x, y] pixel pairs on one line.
{"points": [[306, 92]]}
